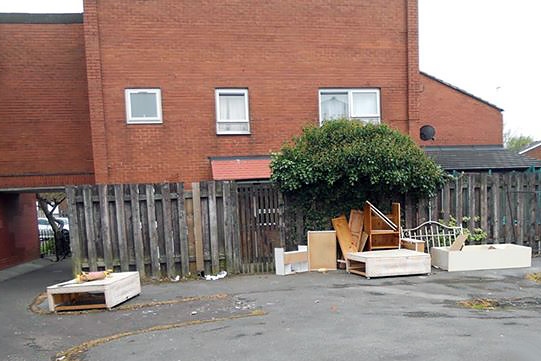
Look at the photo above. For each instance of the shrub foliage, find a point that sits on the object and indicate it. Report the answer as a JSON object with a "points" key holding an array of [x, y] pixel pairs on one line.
{"points": [[330, 169]]}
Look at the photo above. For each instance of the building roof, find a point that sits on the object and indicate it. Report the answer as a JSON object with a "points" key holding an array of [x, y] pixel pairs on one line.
{"points": [[239, 168], [529, 147], [25, 18], [462, 91], [479, 157]]}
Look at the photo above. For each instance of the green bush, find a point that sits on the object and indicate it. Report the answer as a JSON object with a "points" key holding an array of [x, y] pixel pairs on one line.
{"points": [[330, 169], [476, 237]]}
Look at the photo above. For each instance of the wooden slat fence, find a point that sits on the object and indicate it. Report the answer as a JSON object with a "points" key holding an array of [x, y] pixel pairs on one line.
{"points": [[505, 205], [161, 230]]}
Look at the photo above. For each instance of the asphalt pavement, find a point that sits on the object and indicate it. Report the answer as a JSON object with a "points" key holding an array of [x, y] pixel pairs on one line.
{"points": [[311, 316]]}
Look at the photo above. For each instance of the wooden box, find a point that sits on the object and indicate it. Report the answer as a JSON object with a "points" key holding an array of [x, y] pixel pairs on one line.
{"points": [[106, 293], [394, 262], [287, 263], [482, 257], [413, 244]]}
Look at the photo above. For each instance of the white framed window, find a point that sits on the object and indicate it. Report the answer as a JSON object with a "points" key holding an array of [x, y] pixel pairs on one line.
{"points": [[232, 113], [361, 104], [143, 106]]}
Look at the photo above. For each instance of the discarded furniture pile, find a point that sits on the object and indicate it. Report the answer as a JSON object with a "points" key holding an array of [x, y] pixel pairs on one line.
{"points": [[373, 244]]}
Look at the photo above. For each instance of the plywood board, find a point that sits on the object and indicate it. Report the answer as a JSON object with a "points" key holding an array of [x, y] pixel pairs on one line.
{"points": [[341, 226], [458, 244], [356, 226], [362, 244], [322, 250], [482, 257]]}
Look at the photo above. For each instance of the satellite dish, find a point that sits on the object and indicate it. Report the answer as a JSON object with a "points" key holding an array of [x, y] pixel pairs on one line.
{"points": [[427, 132]]}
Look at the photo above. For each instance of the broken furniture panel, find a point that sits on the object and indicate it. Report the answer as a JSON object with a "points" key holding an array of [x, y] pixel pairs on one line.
{"points": [[355, 224], [322, 250], [393, 262], [343, 233], [104, 293], [383, 230], [482, 257], [291, 262]]}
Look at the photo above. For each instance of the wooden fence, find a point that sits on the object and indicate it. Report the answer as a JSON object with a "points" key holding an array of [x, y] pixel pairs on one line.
{"points": [[159, 229], [505, 205], [162, 230]]}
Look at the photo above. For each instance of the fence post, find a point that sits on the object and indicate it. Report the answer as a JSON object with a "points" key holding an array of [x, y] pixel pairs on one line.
{"points": [[75, 239], [213, 225], [152, 230], [168, 231], [105, 226], [198, 232], [89, 228], [137, 229], [121, 228]]}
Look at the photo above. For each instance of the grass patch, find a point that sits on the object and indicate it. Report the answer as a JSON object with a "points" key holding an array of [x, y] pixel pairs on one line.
{"points": [[535, 277], [479, 304]]}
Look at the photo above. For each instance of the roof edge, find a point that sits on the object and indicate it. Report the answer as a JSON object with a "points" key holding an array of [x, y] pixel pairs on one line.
{"points": [[530, 147], [462, 147], [28, 18], [461, 91]]}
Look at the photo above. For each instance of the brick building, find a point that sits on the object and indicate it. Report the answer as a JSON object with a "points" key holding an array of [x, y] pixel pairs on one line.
{"points": [[168, 90], [532, 150]]}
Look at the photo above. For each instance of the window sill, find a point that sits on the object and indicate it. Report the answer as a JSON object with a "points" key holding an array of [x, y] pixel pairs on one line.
{"points": [[145, 122], [233, 133]]}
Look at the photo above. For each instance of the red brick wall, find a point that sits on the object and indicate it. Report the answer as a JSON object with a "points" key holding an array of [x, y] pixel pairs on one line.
{"points": [[459, 119], [19, 241], [44, 120], [282, 51], [534, 153]]}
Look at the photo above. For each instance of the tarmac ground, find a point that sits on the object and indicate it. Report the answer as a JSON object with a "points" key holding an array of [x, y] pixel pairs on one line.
{"points": [[310, 316]]}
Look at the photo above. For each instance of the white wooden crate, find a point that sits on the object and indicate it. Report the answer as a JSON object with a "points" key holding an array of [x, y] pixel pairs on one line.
{"points": [[482, 257], [106, 293], [287, 263], [393, 262]]}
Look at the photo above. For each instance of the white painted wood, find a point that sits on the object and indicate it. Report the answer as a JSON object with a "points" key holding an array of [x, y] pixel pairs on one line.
{"points": [[482, 257], [284, 268], [394, 262], [117, 288]]}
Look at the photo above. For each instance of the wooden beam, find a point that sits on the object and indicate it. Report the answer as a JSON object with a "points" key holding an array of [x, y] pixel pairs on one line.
{"points": [[200, 264]]}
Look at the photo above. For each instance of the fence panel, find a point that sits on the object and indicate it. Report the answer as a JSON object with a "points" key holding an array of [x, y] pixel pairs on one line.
{"points": [[505, 205], [161, 230]]}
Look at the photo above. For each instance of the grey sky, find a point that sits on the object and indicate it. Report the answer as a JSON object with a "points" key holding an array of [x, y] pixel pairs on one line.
{"points": [[490, 48]]}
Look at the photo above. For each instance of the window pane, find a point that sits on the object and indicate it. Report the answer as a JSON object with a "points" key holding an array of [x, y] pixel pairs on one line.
{"points": [[232, 107], [233, 127], [364, 104], [334, 105], [143, 105]]}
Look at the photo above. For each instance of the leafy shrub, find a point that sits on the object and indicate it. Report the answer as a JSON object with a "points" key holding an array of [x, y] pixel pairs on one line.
{"points": [[476, 237], [330, 169]]}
